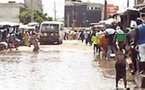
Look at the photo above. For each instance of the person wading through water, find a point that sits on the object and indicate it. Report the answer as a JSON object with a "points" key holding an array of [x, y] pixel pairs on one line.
{"points": [[34, 42], [120, 66]]}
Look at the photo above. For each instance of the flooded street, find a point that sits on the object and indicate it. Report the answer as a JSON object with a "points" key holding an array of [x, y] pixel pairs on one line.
{"points": [[69, 66]]}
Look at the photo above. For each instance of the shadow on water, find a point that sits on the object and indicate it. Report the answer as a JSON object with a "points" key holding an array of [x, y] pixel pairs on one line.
{"points": [[108, 68]]}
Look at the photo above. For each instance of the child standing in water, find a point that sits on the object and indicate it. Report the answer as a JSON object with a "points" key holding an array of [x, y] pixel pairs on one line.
{"points": [[120, 66]]}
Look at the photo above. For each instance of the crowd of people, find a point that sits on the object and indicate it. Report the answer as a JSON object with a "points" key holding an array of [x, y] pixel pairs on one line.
{"points": [[11, 38], [128, 43]]}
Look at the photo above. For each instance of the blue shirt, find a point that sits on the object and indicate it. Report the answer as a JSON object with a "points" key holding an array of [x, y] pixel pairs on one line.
{"points": [[141, 39]]}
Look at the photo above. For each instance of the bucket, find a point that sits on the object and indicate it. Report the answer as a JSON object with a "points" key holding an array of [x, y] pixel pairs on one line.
{"points": [[121, 37]]}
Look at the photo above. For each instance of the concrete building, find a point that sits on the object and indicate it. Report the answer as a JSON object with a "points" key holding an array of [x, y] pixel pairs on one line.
{"points": [[81, 14], [34, 4], [137, 2], [140, 5], [10, 11]]}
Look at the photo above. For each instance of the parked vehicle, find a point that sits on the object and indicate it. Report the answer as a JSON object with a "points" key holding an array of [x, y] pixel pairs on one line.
{"points": [[51, 32]]}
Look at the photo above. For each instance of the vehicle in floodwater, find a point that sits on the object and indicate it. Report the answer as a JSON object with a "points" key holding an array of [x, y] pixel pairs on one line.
{"points": [[51, 32]]}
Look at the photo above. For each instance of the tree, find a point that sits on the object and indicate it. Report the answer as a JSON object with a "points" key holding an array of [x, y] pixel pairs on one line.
{"points": [[25, 16]]}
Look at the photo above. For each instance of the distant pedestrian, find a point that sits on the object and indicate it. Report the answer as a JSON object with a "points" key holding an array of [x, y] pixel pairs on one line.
{"points": [[89, 38], [103, 44], [86, 34], [133, 54], [111, 41], [131, 49], [4, 35], [20, 37], [13, 41], [65, 35], [82, 36], [96, 43], [26, 39], [34, 42]]}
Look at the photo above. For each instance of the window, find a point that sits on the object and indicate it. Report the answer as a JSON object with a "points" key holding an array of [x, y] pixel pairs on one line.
{"points": [[97, 8], [92, 8], [46, 27]]}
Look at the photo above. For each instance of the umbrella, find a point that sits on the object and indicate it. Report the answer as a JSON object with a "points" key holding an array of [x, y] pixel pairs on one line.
{"points": [[110, 31]]}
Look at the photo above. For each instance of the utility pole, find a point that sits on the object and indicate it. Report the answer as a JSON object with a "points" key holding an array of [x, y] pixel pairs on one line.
{"points": [[32, 11], [74, 12], [73, 16], [135, 2], [105, 9], [127, 3], [54, 11], [68, 20]]}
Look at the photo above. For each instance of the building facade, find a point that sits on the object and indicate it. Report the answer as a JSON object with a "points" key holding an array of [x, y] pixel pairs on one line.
{"points": [[81, 14], [138, 2], [140, 5], [10, 12], [34, 4]]}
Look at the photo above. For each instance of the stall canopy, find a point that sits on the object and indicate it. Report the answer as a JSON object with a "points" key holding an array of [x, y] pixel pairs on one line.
{"points": [[4, 25], [26, 27], [9, 24], [108, 21]]}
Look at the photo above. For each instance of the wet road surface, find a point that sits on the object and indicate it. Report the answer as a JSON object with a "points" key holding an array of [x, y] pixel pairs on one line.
{"points": [[69, 66]]}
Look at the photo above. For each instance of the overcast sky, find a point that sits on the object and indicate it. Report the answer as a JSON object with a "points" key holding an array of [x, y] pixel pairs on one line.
{"points": [[48, 5]]}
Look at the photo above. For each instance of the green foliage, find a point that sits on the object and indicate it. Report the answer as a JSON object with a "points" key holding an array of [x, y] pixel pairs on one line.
{"points": [[25, 16]]}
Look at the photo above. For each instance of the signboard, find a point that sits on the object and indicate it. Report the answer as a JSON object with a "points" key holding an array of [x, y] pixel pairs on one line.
{"points": [[112, 9]]}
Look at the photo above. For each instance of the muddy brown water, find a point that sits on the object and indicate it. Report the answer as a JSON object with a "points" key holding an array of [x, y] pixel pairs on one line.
{"points": [[69, 66]]}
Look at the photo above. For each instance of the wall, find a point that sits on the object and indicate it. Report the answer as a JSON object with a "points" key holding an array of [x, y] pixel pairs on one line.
{"points": [[9, 12], [35, 4]]}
